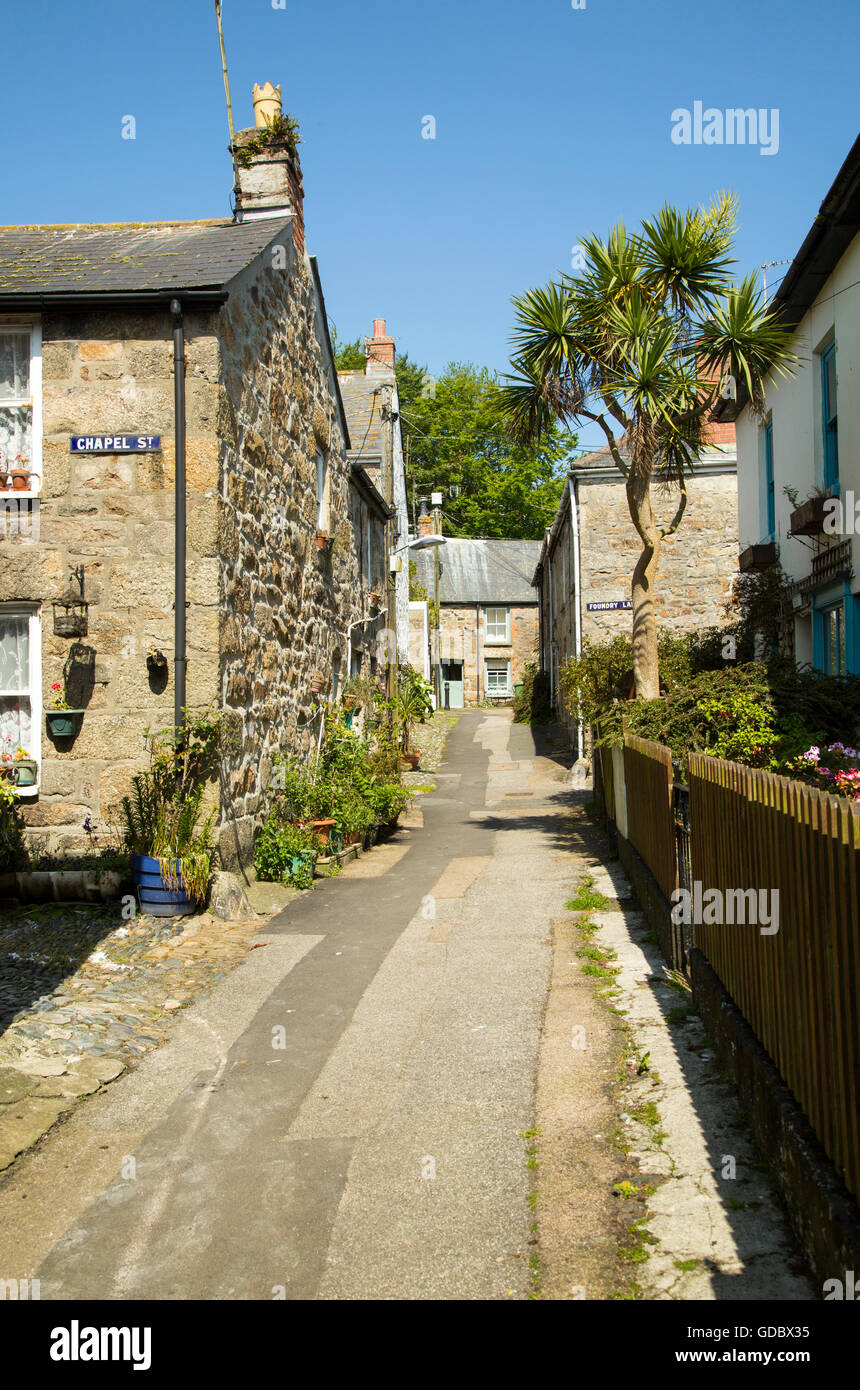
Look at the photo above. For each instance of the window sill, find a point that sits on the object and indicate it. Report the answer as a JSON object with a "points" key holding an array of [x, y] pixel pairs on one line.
{"points": [[497, 641]]}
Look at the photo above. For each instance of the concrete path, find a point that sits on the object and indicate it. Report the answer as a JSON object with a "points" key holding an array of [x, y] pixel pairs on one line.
{"points": [[345, 1116]]}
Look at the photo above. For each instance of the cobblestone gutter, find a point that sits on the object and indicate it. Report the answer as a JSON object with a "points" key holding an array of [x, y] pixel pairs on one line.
{"points": [[84, 994]]}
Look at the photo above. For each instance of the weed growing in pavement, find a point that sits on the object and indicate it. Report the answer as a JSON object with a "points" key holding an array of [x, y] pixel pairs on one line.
{"points": [[587, 898], [635, 1249]]}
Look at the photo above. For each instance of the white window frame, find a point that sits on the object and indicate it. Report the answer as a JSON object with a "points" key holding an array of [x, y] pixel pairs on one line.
{"points": [[322, 490], [33, 613], [34, 401], [489, 640], [494, 691]]}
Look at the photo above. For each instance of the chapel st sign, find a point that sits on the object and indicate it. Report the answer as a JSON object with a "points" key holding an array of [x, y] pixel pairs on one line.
{"points": [[609, 605], [114, 443]]}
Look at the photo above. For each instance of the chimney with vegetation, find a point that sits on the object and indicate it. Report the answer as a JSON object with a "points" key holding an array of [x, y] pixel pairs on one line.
{"points": [[268, 167]]}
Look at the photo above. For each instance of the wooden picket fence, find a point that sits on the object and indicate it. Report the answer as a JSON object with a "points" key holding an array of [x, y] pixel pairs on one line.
{"points": [[648, 777], [799, 989]]}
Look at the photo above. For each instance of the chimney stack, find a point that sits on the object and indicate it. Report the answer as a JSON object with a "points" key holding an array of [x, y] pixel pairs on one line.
{"points": [[379, 349], [425, 520], [268, 166]]}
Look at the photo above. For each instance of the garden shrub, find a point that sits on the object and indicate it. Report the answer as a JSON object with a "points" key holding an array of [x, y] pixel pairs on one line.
{"points": [[12, 852], [532, 704]]}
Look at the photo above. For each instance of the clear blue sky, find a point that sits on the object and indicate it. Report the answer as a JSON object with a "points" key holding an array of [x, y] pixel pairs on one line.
{"points": [[551, 122]]}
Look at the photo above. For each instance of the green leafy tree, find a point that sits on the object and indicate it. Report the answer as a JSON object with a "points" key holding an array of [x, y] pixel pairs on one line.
{"points": [[638, 343], [459, 444], [348, 357]]}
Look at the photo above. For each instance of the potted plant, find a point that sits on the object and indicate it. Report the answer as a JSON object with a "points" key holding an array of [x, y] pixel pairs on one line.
{"points": [[162, 820], [155, 659], [285, 854], [7, 759], [352, 697], [412, 704], [20, 475], [807, 518], [61, 719], [352, 813], [319, 684], [324, 541], [25, 770]]}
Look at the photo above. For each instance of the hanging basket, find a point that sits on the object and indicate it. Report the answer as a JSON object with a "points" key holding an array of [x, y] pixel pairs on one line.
{"points": [[70, 625]]}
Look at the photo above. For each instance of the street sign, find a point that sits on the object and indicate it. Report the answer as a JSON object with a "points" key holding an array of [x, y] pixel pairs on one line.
{"points": [[609, 605], [114, 443]]}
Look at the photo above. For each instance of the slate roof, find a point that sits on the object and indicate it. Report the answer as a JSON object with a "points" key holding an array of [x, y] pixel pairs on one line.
{"points": [[130, 258], [481, 571], [361, 401]]}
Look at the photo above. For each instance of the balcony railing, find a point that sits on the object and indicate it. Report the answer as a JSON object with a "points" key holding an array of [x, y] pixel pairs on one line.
{"points": [[832, 563]]}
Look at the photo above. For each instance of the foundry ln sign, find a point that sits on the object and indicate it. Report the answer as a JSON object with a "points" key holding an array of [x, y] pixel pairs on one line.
{"points": [[609, 605], [114, 443]]}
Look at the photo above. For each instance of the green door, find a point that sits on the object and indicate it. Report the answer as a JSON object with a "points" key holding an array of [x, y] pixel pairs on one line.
{"points": [[452, 685]]}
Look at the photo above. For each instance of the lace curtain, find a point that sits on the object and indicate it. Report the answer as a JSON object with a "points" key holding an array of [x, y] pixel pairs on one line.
{"points": [[15, 710], [16, 415]]}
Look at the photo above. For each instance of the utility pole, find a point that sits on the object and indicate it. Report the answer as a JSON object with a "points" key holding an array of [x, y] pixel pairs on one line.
{"points": [[436, 499], [387, 489], [236, 189]]}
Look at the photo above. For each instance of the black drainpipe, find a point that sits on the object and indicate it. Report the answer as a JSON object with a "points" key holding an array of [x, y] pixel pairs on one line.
{"points": [[180, 660]]}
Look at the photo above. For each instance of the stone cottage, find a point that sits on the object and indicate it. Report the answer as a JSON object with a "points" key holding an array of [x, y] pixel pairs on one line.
{"points": [[132, 356], [586, 561], [372, 409], [488, 615]]}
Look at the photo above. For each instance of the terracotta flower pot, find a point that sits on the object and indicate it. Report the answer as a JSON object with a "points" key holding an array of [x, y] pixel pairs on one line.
{"points": [[20, 480], [318, 685], [323, 540], [322, 829]]}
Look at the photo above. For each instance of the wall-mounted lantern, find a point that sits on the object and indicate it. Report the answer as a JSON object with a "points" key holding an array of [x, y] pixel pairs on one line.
{"points": [[70, 609]]}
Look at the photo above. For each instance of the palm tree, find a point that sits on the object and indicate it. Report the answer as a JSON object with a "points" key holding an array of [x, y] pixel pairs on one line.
{"points": [[639, 342]]}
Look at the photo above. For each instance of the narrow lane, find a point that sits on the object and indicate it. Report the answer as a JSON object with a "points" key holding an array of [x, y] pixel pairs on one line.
{"points": [[362, 1137]]}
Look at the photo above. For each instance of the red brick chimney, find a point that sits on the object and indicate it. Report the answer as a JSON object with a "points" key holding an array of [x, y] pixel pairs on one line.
{"points": [[717, 434], [379, 349]]}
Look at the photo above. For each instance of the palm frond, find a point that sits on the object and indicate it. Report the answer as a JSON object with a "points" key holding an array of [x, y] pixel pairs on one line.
{"points": [[742, 337]]}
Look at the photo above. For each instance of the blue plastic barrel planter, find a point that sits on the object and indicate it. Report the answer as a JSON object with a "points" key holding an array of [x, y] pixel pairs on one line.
{"points": [[154, 895]]}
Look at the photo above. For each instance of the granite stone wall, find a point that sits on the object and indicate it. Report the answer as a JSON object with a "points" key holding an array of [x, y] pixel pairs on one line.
{"points": [[266, 607], [113, 514], [697, 564], [284, 604]]}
